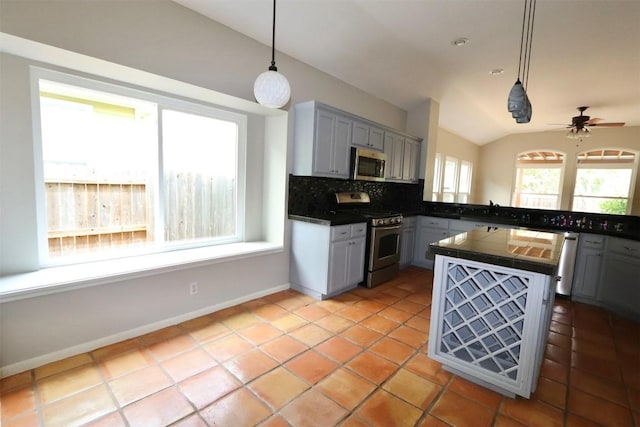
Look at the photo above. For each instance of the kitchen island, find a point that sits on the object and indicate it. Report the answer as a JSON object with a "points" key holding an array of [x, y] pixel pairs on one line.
{"points": [[493, 293]]}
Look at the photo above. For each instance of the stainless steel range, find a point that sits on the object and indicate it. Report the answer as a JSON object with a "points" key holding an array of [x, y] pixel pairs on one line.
{"points": [[382, 254]]}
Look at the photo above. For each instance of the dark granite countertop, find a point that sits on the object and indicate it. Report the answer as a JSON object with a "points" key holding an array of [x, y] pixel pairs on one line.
{"points": [[530, 250], [329, 219]]}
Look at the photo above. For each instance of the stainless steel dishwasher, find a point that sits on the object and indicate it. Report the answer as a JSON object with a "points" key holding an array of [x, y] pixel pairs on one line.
{"points": [[567, 263]]}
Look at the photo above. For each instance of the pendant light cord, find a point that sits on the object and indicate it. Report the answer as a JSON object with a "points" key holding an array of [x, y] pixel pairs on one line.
{"points": [[532, 15], [273, 40], [524, 62], [524, 16]]}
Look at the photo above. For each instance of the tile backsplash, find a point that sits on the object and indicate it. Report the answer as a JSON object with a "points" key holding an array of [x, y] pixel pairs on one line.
{"points": [[316, 195]]}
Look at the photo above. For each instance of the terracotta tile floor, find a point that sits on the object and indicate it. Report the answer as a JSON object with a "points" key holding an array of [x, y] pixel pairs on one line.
{"points": [[355, 360]]}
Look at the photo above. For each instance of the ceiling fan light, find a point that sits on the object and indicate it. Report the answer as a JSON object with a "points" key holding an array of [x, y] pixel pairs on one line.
{"points": [[272, 89], [578, 133]]}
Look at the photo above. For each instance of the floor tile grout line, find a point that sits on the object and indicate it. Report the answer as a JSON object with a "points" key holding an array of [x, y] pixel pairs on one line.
{"points": [[36, 397], [106, 384]]}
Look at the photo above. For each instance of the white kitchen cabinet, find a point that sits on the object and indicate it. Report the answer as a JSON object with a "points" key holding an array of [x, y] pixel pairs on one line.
{"points": [[428, 230], [322, 142], [407, 240], [587, 273], [326, 261], [365, 135], [620, 285]]}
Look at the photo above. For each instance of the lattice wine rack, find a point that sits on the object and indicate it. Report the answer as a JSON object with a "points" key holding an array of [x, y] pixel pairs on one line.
{"points": [[486, 322]]}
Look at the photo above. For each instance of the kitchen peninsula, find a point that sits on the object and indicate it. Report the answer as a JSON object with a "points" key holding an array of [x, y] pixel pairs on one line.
{"points": [[493, 293]]}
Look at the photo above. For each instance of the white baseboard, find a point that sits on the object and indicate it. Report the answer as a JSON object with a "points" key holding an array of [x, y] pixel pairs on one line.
{"points": [[35, 362]]}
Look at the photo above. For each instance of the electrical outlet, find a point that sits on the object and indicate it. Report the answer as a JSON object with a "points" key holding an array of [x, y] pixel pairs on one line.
{"points": [[193, 288]]}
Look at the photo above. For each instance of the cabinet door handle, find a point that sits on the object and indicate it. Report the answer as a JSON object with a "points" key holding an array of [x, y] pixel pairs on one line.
{"points": [[630, 249]]}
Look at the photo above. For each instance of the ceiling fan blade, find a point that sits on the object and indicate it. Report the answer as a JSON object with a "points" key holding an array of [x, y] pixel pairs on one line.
{"points": [[612, 124], [594, 120]]}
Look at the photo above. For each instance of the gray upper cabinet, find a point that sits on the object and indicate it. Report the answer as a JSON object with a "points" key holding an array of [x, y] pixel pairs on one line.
{"points": [[365, 135], [403, 157], [411, 160], [323, 137], [394, 149], [322, 141]]}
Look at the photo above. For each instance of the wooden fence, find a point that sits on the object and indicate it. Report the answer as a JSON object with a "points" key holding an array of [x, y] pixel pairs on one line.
{"points": [[88, 216]]}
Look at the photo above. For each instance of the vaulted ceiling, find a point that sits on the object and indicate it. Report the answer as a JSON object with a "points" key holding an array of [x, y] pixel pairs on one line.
{"points": [[585, 52]]}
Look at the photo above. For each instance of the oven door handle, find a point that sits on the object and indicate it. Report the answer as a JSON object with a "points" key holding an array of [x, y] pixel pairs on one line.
{"points": [[387, 227]]}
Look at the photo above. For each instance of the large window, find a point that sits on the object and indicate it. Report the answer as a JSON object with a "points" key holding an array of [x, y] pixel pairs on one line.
{"points": [[538, 180], [452, 180], [604, 181], [131, 172]]}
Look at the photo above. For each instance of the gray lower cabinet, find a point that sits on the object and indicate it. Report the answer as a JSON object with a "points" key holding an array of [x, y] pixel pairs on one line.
{"points": [[407, 240], [326, 261], [428, 230], [588, 269], [620, 285]]}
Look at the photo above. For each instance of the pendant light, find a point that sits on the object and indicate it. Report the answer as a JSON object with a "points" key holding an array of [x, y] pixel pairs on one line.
{"points": [[271, 88], [518, 102]]}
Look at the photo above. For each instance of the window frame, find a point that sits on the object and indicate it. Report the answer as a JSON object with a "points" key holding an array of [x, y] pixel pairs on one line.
{"points": [[604, 164], [163, 102], [541, 164], [440, 162]]}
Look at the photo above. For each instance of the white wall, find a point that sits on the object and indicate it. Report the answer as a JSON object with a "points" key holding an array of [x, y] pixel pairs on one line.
{"points": [[496, 171], [166, 39]]}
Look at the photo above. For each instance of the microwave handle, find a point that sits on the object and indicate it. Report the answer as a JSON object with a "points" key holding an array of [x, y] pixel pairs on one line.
{"points": [[353, 163]]}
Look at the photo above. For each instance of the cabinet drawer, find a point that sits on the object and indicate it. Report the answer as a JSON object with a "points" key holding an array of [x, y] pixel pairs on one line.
{"points": [[434, 222], [592, 241], [348, 231], [358, 230], [340, 232], [624, 246]]}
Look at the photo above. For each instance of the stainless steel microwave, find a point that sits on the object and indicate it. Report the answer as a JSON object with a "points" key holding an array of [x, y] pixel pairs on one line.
{"points": [[367, 165]]}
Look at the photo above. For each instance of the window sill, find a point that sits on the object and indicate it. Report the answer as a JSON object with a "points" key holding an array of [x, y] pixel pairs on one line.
{"points": [[65, 278]]}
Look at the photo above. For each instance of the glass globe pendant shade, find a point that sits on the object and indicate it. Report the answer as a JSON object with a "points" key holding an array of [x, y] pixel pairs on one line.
{"points": [[272, 89], [580, 133]]}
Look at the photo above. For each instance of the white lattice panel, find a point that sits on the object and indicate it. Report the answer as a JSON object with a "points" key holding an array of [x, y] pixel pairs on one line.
{"points": [[483, 318], [485, 321]]}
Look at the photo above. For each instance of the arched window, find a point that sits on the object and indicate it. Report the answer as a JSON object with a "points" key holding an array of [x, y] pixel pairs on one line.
{"points": [[537, 180], [604, 181]]}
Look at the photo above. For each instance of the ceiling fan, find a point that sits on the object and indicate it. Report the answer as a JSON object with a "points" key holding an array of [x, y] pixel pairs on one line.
{"points": [[579, 127]]}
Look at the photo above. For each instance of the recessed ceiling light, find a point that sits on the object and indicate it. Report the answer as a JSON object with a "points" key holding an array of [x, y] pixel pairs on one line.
{"points": [[496, 71], [460, 41]]}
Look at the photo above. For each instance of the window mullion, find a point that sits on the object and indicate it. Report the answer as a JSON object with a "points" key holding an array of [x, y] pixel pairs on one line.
{"points": [[159, 228]]}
